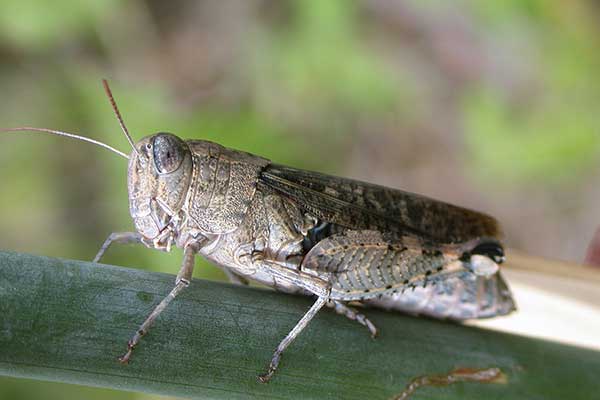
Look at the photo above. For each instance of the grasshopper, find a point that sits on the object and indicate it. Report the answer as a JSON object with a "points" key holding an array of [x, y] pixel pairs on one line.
{"points": [[340, 240]]}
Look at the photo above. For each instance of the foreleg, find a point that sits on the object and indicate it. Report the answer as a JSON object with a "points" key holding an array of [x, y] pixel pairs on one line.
{"points": [[118, 237], [182, 281]]}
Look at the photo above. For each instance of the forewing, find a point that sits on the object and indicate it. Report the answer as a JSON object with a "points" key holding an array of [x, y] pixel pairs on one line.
{"points": [[360, 205]]}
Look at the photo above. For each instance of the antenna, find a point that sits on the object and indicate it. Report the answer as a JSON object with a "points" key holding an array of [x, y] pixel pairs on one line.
{"points": [[118, 114], [66, 134]]}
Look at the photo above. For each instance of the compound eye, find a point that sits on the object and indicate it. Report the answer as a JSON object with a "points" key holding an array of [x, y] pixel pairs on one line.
{"points": [[168, 151]]}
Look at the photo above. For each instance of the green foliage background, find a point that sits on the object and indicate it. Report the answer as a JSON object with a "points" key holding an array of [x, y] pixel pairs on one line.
{"points": [[490, 104]]}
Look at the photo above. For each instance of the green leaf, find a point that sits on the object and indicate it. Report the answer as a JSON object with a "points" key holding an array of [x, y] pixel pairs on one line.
{"points": [[68, 321]]}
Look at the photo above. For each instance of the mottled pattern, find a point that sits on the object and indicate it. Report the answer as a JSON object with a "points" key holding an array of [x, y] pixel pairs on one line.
{"points": [[360, 205], [146, 186], [362, 264], [393, 265], [270, 231], [304, 232], [225, 185]]}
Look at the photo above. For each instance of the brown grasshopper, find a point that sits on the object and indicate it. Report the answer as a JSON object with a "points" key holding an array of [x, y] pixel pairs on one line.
{"points": [[297, 231]]}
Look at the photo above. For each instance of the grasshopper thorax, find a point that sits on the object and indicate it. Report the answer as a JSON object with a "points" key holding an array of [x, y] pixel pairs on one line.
{"points": [[158, 180]]}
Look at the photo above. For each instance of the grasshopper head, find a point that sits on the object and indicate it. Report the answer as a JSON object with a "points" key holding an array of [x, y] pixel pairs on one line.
{"points": [[158, 179]]}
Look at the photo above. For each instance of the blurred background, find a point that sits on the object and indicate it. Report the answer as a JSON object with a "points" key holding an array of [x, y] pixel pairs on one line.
{"points": [[489, 105]]}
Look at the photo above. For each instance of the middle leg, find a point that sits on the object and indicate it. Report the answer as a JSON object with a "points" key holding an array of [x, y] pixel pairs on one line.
{"points": [[354, 315], [302, 280], [264, 378], [235, 278]]}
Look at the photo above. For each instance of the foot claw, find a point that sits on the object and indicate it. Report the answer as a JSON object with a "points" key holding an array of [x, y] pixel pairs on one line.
{"points": [[265, 378], [124, 359], [374, 332]]}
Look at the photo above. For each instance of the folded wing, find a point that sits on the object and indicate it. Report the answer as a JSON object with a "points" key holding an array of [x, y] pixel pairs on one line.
{"points": [[360, 205]]}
